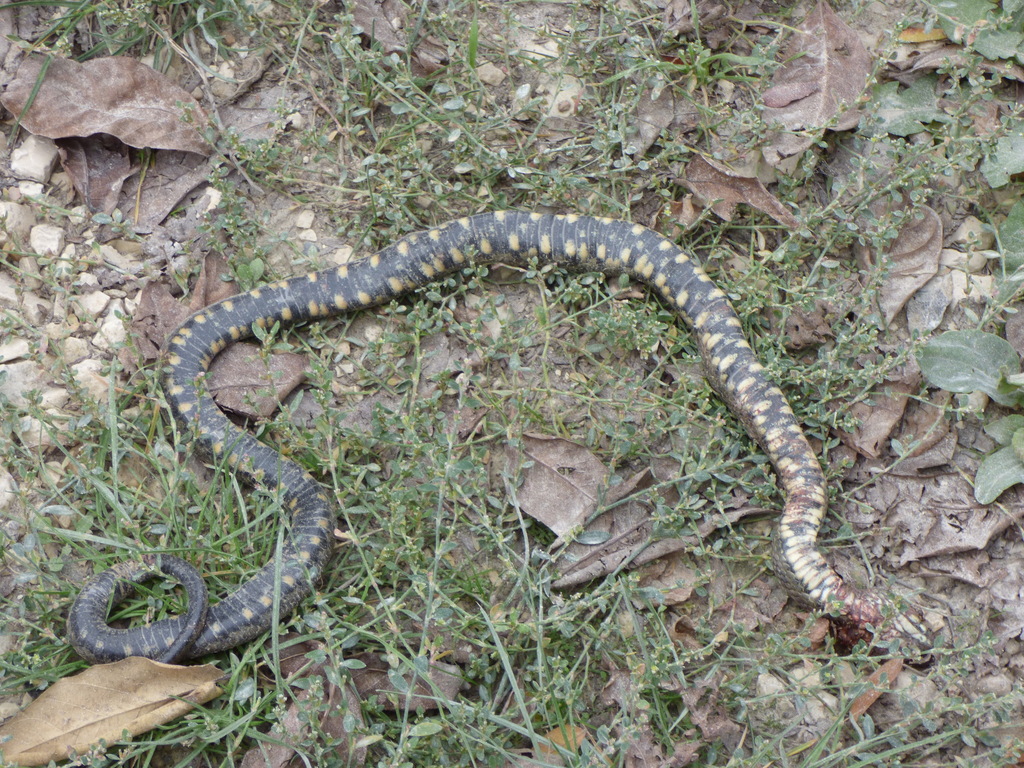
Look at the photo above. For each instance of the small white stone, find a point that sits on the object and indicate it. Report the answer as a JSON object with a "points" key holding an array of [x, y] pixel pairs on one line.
{"points": [[33, 308], [8, 495], [34, 159], [16, 221], [14, 350], [112, 332], [46, 239], [88, 374], [33, 433], [304, 218], [31, 188], [92, 304], [74, 348], [489, 74], [973, 233], [308, 235]]}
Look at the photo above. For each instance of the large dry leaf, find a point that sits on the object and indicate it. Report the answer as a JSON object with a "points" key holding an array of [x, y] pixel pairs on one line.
{"points": [[658, 112], [104, 702], [912, 260], [826, 71], [167, 180], [97, 166], [383, 21], [337, 706], [561, 483], [419, 692], [115, 95], [244, 381], [723, 189], [878, 417]]}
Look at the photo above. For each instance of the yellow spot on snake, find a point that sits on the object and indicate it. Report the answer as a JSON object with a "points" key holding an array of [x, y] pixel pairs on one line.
{"points": [[513, 243], [364, 297], [340, 302]]}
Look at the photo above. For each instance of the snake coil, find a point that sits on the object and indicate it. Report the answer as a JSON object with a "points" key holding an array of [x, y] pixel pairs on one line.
{"points": [[578, 243]]}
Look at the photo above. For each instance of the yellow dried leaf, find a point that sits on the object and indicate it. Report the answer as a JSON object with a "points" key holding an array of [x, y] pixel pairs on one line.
{"points": [[104, 702]]}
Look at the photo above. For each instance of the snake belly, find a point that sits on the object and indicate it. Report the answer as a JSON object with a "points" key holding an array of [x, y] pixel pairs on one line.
{"points": [[578, 243]]}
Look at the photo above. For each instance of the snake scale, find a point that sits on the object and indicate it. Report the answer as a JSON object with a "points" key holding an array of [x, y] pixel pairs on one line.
{"points": [[578, 243]]}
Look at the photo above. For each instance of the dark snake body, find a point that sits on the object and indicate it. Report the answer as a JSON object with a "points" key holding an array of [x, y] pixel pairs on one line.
{"points": [[578, 243]]}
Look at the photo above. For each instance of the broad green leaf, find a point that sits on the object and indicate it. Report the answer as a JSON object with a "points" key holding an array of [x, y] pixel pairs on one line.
{"points": [[999, 44], [997, 472], [425, 728], [1011, 239], [1002, 430], [1006, 160], [959, 16], [1017, 443], [965, 361], [905, 111]]}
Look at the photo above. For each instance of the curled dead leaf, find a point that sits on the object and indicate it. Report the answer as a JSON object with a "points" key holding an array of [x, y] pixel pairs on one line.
{"points": [[826, 71], [912, 260], [723, 189], [116, 95], [103, 703]]}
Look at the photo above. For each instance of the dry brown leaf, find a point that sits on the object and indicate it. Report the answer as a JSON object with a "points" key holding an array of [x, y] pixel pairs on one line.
{"points": [[383, 22], [97, 166], [912, 260], [654, 114], [879, 417], [103, 702], [808, 328], [568, 737], [115, 95], [562, 483], [622, 692], [948, 58], [443, 683], [337, 705], [884, 675], [710, 716], [826, 71], [167, 180], [723, 189], [244, 381], [628, 539]]}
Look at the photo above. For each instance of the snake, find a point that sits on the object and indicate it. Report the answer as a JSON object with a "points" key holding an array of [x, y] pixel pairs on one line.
{"points": [[576, 243]]}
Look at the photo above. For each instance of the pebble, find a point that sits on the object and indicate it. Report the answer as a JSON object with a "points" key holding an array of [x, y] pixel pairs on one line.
{"points": [[112, 332], [89, 376], [14, 349], [46, 240], [12, 296], [34, 159], [489, 74], [92, 303], [974, 234], [18, 221]]}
